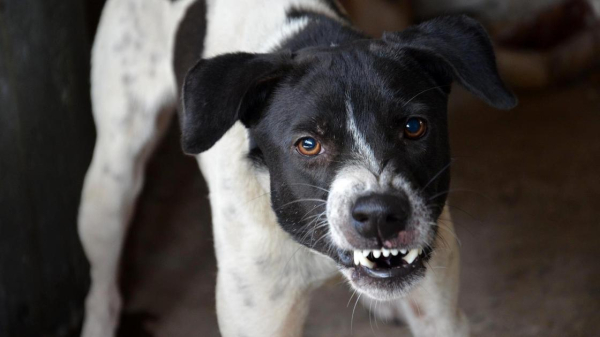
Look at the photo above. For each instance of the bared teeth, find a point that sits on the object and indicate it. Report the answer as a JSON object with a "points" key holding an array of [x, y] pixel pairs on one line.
{"points": [[385, 252], [411, 256], [359, 258]]}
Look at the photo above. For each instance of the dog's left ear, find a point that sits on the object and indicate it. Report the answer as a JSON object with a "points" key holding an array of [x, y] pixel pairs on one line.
{"points": [[218, 92], [457, 48]]}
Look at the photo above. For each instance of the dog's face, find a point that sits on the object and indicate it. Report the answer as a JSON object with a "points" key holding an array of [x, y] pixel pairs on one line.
{"points": [[353, 138]]}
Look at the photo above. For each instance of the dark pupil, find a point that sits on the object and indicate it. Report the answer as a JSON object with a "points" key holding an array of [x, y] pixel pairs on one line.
{"points": [[309, 143], [413, 125]]}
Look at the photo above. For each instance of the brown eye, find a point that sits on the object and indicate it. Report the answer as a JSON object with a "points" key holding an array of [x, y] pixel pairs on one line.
{"points": [[415, 128], [308, 146]]}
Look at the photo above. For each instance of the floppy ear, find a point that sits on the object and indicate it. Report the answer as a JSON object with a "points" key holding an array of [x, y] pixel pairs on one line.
{"points": [[457, 48], [218, 92]]}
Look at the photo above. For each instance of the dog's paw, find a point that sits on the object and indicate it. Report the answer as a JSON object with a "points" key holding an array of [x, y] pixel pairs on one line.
{"points": [[388, 312]]}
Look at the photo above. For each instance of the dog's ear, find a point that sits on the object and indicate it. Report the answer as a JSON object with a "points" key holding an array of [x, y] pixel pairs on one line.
{"points": [[456, 48], [219, 91]]}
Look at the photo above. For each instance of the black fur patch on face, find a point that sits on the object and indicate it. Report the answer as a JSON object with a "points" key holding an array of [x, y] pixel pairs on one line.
{"points": [[306, 89], [312, 101]]}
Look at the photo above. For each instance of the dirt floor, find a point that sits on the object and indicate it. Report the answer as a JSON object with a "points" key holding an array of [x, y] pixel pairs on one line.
{"points": [[526, 202]]}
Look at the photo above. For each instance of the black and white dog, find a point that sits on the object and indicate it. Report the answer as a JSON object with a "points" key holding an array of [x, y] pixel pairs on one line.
{"points": [[324, 152]]}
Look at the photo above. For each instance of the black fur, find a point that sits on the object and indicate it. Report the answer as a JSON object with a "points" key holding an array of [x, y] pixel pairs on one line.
{"points": [[301, 89], [220, 91]]}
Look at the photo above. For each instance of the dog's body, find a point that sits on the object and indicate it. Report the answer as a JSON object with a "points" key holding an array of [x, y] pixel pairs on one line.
{"points": [[266, 269]]}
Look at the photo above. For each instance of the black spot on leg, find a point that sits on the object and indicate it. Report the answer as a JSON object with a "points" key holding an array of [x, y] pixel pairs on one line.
{"points": [[243, 289], [108, 171], [127, 79], [262, 262], [154, 58], [230, 212], [248, 302], [278, 291], [123, 43]]}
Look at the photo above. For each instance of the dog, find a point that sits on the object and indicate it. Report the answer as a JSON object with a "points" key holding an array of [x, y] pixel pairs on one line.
{"points": [[325, 152]]}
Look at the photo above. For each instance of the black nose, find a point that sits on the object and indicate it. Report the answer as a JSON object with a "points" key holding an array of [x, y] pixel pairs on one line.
{"points": [[382, 215]]}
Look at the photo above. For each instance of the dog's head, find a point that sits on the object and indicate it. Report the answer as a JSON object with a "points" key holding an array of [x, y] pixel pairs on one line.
{"points": [[353, 137]]}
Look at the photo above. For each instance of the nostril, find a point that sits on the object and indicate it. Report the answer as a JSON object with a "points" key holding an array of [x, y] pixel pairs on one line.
{"points": [[360, 217], [382, 215], [392, 218]]}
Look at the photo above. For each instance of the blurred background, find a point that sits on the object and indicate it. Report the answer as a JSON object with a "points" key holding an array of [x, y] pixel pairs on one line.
{"points": [[526, 185]]}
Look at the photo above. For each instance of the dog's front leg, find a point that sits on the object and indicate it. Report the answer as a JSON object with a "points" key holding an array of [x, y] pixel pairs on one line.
{"points": [[264, 280], [431, 309], [260, 306]]}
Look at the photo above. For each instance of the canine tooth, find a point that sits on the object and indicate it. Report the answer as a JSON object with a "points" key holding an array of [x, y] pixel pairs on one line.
{"points": [[403, 251], [366, 262], [411, 256], [376, 254], [420, 251], [385, 252], [366, 253], [394, 252], [356, 257]]}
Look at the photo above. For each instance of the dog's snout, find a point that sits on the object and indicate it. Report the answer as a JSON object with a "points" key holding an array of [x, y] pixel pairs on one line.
{"points": [[380, 215]]}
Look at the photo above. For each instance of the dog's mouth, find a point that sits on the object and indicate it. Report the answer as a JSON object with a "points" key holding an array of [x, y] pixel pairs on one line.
{"points": [[387, 270], [384, 263]]}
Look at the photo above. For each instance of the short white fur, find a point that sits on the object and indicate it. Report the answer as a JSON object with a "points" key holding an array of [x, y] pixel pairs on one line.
{"points": [[134, 93]]}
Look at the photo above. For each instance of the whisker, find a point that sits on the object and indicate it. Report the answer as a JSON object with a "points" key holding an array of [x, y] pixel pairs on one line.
{"points": [[446, 228], [312, 209], [465, 212], [318, 187], [370, 317], [437, 174], [322, 237], [422, 92], [316, 215], [353, 293], [256, 198], [376, 304], [416, 305], [460, 190], [352, 318], [302, 200]]}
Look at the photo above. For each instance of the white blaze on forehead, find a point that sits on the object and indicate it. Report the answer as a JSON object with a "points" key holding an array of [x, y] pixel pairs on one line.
{"points": [[360, 143]]}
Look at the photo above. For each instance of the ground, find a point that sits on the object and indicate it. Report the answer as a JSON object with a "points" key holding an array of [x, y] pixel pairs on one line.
{"points": [[526, 200]]}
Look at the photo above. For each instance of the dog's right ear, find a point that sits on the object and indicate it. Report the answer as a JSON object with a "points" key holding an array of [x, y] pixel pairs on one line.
{"points": [[219, 91]]}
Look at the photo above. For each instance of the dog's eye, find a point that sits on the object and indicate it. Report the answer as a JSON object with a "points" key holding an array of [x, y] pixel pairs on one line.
{"points": [[415, 128], [308, 146]]}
